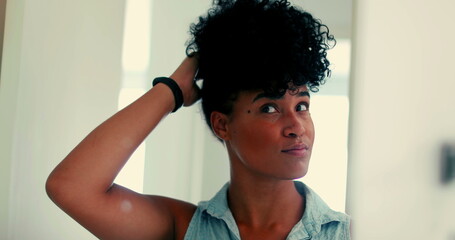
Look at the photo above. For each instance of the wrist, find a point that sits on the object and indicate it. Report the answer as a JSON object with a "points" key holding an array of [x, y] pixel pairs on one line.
{"points": [[163, 94], [175, 89]]}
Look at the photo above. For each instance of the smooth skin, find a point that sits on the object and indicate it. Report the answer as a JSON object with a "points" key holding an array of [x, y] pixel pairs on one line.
{"points": [[268, 140], [269, 143]]}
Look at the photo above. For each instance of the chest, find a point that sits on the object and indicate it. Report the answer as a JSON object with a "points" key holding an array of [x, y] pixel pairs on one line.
{"points": [[265, 233], [262, 236]]}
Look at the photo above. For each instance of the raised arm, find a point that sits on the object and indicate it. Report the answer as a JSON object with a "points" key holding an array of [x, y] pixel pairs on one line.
{"points": [[82, 184]]}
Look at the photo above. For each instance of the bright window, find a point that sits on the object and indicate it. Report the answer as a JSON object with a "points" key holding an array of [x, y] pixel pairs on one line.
{"points": [[135, 63], [329, 109]]}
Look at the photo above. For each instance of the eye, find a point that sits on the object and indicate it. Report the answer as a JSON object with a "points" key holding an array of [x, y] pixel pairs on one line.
{"points": [[301, 107], [268, 109]]}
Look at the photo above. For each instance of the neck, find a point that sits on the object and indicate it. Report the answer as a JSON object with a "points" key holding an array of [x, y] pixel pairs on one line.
{"points": [[265, 203]]}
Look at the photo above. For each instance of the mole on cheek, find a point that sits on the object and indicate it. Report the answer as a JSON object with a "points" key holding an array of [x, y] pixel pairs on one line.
{"points": [[249, 111]]}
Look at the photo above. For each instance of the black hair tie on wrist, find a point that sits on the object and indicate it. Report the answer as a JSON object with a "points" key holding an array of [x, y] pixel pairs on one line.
{"points": [[176, 91]]}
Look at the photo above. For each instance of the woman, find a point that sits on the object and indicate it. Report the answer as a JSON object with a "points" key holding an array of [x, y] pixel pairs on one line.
{"points": [[258, 61]]}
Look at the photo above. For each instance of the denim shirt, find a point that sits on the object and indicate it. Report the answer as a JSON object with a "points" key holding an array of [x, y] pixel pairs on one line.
{"points": [[214, 220]]}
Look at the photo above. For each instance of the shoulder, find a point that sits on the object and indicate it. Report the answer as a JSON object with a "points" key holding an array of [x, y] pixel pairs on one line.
{"points": [[317, 208], [320, 219], [181, 212], [213, 219]]}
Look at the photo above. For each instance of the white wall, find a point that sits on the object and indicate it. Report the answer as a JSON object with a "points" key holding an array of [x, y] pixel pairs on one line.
{"points": [[179, 150], [402, 111], [2, 26], [8, 102], [61, 75]]}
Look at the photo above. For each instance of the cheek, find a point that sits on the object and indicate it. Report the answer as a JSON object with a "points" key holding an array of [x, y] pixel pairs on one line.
{"points": [[310, 131], [254, 136]]}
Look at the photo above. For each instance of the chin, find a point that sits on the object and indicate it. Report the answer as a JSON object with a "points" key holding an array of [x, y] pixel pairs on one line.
{"points": [[296, 175], [299, 171]]}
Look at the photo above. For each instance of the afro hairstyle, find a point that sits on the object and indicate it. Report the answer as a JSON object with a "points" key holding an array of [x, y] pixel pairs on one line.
{"points": [[249, 45]]}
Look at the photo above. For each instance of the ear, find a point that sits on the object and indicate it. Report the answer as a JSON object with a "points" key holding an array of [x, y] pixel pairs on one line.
{"points": [[219, 122]]}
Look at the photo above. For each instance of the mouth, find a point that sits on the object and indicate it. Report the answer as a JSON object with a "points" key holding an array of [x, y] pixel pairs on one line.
{"points": [[298, 150]]}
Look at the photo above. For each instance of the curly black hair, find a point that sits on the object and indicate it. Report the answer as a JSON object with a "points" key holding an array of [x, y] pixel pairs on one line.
{"points": [[264, 45]]}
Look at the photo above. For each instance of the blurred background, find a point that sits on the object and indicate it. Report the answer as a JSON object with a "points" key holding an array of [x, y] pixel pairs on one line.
{"points": [[381, 120]]}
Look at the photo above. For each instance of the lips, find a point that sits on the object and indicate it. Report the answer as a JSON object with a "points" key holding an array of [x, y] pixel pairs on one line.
{"points": [[299, 150]]}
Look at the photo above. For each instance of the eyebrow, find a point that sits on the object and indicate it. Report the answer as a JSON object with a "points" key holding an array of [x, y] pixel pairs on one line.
{"points": [[264, 95]]}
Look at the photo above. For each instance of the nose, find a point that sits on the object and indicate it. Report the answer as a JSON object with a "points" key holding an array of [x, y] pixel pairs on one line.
{"points": [[294, 126]]}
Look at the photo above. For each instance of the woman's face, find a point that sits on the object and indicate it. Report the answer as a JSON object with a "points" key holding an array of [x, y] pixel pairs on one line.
{"points": [[271, 137]]}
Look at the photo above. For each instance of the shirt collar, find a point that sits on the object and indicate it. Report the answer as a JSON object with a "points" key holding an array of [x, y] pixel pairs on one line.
{"points": [[218, 207], [317, 212]]}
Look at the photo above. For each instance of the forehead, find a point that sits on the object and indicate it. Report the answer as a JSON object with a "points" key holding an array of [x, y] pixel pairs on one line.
{"points": [[245, 99]]}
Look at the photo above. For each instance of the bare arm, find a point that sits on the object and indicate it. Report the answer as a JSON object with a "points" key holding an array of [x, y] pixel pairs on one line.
{"points": [[82, 184]]}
